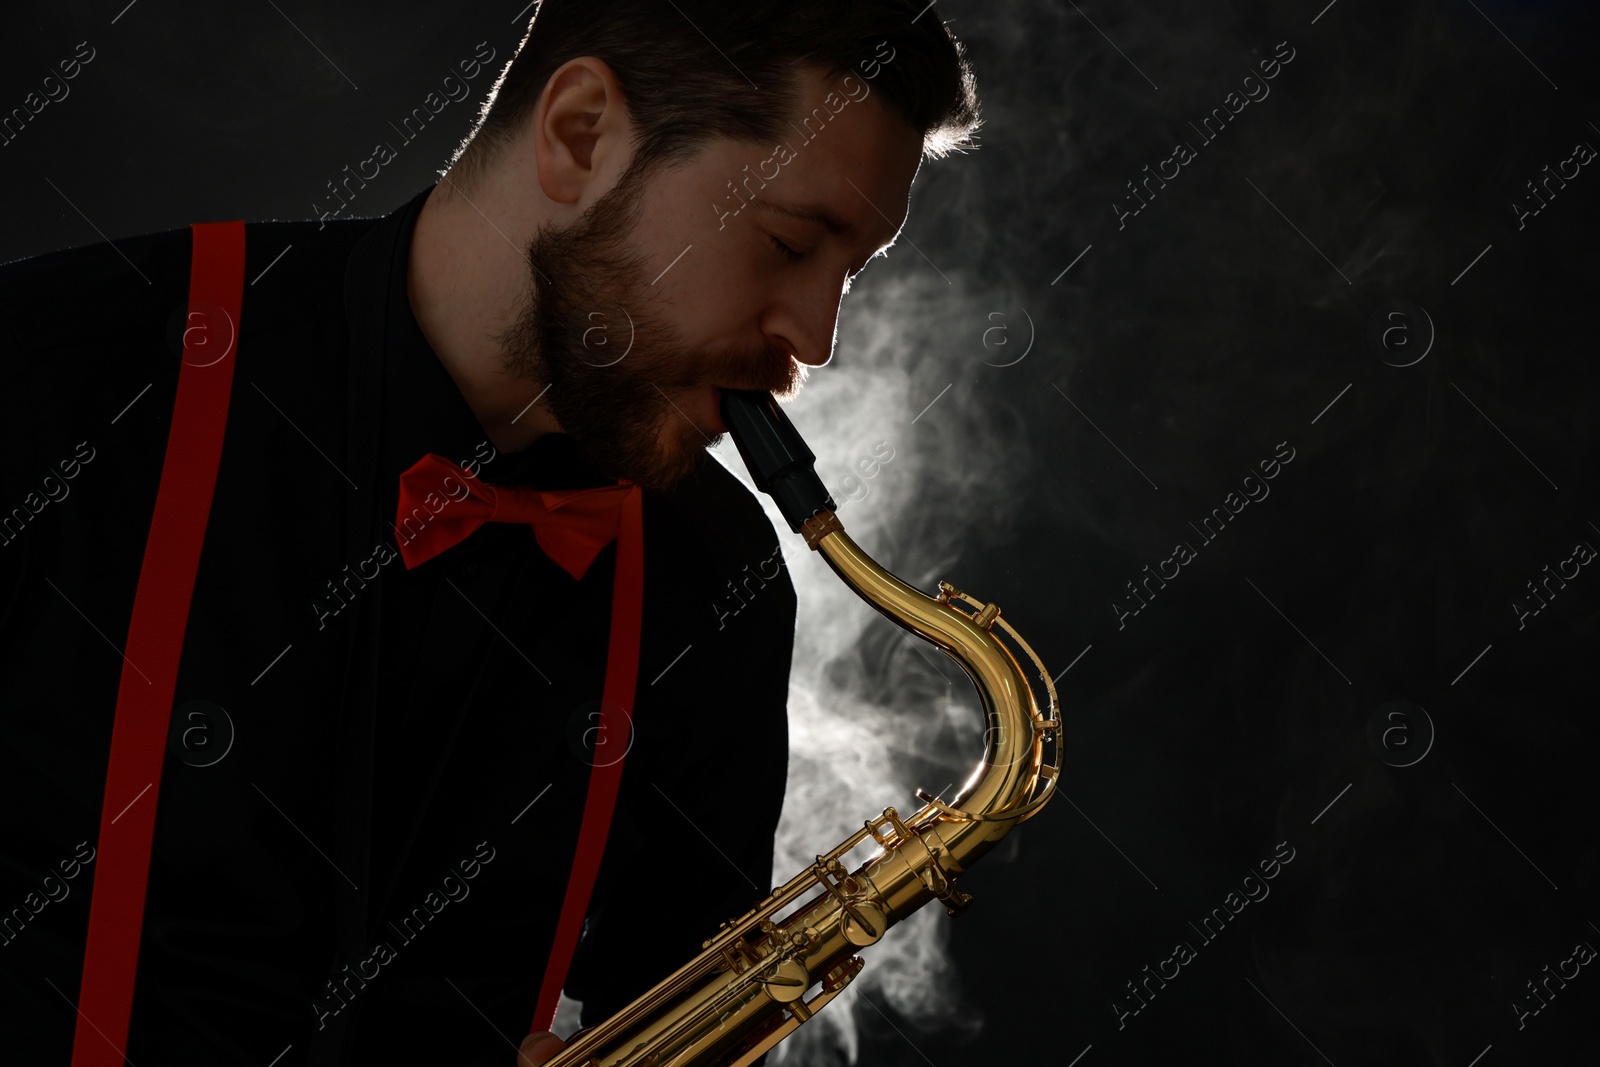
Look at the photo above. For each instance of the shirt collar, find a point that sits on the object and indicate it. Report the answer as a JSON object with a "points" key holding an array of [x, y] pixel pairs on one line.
{"points": [[423, 409]]}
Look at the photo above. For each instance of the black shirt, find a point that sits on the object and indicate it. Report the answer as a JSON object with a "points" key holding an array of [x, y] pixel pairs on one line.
{"points": [[375, 776]]}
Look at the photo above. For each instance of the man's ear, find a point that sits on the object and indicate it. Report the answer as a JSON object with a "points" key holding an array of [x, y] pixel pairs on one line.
{"points": [[581, 129]]}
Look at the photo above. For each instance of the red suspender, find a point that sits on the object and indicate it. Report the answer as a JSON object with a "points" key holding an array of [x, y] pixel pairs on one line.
{"points": [[155, 643], [605, 775]]}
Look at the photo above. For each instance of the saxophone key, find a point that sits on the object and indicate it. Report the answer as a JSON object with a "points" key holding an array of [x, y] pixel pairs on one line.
{"points": [[787, 982]]}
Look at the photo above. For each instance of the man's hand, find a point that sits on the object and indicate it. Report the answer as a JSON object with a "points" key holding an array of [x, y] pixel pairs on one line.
{"points": [[538, 1047]]}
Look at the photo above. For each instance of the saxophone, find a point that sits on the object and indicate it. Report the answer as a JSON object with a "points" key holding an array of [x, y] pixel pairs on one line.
{"points": [[748, 989]]}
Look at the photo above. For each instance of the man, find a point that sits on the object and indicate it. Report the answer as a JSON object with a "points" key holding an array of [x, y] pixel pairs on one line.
{"points": [[377, 767]]}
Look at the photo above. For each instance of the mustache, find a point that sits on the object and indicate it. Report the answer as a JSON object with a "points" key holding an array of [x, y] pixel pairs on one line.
{"points": [[771, 371]]}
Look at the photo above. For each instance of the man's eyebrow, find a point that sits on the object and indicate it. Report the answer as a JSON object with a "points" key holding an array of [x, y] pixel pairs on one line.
{"points": [[811, 213], [816, 213]]}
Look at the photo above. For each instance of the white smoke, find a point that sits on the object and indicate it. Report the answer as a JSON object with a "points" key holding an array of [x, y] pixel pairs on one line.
{"points": [[875, 712]]}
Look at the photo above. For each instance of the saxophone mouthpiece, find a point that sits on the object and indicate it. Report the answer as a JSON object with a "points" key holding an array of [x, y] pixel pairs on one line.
{"points": [[775, 454]]}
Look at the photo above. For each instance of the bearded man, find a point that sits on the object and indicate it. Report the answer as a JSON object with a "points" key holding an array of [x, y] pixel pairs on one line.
{"points": [[445, 727]]}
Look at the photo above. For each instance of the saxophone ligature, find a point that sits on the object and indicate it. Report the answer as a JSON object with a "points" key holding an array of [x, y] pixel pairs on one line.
{"points": [[766, 972]]}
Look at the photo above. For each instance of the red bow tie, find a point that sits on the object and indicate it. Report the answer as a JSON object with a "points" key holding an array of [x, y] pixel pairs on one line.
{"points": [[441, 505]]}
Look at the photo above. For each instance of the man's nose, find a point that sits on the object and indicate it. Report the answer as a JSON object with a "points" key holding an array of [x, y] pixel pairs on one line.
{"points": [[804, 326]]}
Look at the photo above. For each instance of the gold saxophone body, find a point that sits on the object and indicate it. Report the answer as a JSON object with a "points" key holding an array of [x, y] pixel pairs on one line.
{"points": [[752, 985]]}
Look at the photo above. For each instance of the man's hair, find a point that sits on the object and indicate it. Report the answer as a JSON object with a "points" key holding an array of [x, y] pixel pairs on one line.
{"points": [[695, 70]]}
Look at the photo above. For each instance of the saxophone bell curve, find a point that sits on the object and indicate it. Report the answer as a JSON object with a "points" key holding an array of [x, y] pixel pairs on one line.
{"points": [[764, 973]]}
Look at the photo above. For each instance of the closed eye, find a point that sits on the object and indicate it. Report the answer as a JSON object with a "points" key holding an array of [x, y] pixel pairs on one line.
{"points": [[784, 250]]}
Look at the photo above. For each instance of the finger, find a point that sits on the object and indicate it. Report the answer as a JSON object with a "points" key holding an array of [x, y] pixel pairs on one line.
{"points": [[538, 1047]]}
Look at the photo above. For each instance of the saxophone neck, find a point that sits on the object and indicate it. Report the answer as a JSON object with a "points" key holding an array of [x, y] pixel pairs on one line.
{"points": [[1013, 780], [1006, 783]]}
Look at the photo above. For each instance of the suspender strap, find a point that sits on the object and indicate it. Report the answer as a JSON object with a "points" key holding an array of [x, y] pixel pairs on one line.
{"points": [[605, 775], [155, 643]]}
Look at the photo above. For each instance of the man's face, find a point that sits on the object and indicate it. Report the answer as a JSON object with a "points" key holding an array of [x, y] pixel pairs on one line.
{"points": [[667, 288]]}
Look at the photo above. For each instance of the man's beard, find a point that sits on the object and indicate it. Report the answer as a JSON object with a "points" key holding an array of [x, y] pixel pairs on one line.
{"points": [[588, 284]]}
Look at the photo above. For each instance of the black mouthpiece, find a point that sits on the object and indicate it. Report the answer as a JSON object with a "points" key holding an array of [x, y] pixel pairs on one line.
{"points": [[776, 456]]}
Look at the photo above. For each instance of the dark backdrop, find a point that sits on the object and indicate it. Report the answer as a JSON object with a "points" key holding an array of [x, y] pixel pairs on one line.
{"points": [[1353, 669]]}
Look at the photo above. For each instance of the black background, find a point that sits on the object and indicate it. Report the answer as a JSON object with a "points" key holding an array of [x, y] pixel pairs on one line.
{"points": [[1240, 708]]}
